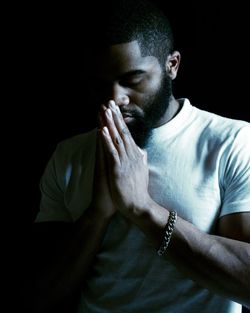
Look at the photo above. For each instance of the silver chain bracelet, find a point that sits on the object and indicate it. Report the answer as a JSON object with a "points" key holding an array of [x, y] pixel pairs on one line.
{"points": [[168, 232]]}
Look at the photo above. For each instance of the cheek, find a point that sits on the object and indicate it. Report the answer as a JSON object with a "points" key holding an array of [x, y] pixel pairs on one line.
{"points": [[147, 98], [139, 99], [145, 95], [142, 103]]}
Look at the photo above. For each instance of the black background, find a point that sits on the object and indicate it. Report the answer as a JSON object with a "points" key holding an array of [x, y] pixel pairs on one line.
{"points": [[211, 37], [51, 103]]}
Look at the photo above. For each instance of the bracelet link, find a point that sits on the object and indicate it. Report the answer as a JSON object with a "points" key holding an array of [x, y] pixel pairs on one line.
{"points": [[168, 233]]}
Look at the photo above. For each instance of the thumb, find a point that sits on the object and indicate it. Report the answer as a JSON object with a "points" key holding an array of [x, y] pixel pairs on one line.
{"points": [[144, 155]]}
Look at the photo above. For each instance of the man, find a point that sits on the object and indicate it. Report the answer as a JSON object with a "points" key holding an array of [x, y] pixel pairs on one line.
{"points": [[149, 212]]}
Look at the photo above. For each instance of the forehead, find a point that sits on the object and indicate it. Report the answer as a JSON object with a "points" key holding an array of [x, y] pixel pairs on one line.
{"points": [[122, 58]]}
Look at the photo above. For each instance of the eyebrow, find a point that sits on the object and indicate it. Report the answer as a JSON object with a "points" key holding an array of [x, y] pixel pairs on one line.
{"points": [[127, 74]]}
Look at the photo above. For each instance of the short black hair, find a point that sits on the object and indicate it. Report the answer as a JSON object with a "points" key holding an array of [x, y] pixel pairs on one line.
{"points": [[121, 21]]}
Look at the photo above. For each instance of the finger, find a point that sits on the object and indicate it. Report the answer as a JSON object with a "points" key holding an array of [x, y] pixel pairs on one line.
{"points": [[110, 149], [114, 134], [100, 156], [99, 121], [144, 156], [101, 117], [129, 143]]}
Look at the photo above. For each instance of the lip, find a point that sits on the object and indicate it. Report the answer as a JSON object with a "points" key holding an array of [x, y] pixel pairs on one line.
{"points": [[127, 118], [126, 115]]}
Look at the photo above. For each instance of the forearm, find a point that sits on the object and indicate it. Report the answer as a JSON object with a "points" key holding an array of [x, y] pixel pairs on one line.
{"points": [[64, 277], [217, 263]]}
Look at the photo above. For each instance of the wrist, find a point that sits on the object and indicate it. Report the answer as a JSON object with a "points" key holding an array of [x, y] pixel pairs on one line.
{"points": [[97, 214], [168, 233], [151, 219], [143, 209]]}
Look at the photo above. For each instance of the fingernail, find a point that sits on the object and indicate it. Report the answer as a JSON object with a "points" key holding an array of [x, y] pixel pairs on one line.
{"points": [[105, 130], [112, 104], [108, 112]]}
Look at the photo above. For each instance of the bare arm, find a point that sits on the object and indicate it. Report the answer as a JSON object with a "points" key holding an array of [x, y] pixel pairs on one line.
{"points": [[66, 267], [216, 262], [61, 276]]}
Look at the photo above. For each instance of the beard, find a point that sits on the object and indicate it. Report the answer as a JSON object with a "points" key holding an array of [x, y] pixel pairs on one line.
{"points": [[155, 107]]}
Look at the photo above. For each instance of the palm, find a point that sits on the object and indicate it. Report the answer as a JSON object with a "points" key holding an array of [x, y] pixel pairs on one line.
{"points": [[101, 194]]}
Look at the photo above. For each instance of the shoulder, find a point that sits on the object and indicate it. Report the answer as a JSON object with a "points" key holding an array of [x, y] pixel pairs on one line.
{"points": [[220, 128], [77, 144], [72, 153], [226, 141], [78, 141]]}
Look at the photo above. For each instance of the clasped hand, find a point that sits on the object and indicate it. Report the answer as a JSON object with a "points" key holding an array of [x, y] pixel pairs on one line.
{"points": [[127, 168]]}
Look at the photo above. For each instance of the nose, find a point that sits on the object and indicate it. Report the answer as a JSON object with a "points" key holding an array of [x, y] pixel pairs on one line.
{"points": [[119, 95]]}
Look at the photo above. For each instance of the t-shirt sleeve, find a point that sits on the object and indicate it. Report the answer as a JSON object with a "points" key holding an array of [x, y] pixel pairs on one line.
{"points": [[236, 180], [52, 206]]}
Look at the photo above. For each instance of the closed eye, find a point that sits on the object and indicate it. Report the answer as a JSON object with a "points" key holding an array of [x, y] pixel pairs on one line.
{"points": [[131, 81], [132, 78]]}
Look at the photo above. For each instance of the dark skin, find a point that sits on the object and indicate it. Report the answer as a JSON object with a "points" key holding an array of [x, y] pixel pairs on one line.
{"points": [[128, 176], [122, 170], [133, 82]]}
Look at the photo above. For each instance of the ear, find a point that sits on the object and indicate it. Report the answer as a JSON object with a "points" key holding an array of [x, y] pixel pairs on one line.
{"points": [[172, 64]]}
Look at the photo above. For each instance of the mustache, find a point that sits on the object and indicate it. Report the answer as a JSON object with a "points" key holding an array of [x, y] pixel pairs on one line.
{"points": [[131, 112]]}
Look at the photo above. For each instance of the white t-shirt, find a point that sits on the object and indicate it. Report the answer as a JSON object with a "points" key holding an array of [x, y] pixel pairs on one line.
{"points": [[199, 165]]}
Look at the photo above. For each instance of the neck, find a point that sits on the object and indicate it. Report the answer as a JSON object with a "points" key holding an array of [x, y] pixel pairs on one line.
{"points": [[172, 110]]}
